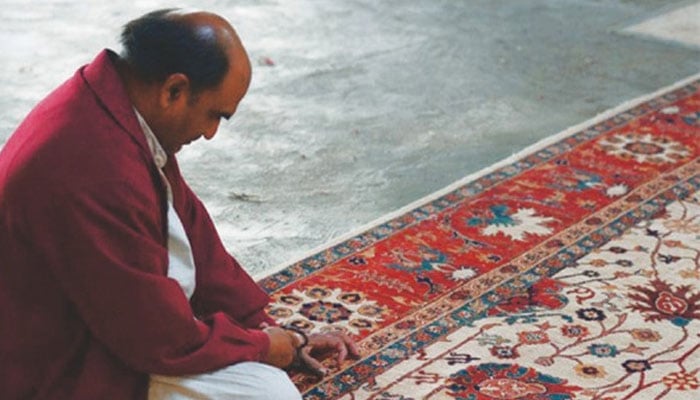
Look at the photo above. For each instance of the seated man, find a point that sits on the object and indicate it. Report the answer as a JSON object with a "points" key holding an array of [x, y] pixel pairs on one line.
{"points": [[113, 281]]}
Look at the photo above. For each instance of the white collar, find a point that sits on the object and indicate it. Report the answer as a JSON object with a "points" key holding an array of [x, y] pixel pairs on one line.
{"points": [[159, 155]]}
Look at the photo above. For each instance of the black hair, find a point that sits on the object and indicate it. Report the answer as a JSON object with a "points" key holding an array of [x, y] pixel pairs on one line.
{"points": [[156, 45]]}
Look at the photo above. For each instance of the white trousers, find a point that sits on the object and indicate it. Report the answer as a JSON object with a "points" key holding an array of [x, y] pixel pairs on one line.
{"points": [[243, 381]]}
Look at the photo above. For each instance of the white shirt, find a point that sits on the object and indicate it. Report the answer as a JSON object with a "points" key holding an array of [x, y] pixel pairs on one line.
{"points": [[181, 264]]}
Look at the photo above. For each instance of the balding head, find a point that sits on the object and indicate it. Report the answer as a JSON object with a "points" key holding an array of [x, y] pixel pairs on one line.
{"points": [[208, 26], [199, 44], [183, 72]]}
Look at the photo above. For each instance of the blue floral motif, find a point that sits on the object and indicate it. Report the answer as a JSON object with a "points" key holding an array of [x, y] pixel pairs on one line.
{"points": [[603, 350], [590, 314], [500, 217]]}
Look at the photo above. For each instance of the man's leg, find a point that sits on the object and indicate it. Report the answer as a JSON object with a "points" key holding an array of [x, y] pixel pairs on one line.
{"points": [[247, 380]]}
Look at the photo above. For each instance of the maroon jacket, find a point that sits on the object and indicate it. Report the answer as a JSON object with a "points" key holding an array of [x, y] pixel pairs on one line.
{"points": [[86, 308]]}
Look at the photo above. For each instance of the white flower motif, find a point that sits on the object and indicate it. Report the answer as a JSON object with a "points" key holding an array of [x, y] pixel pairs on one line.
{"points": [[318, 309], [644, 148], [462, 274], [524, 222], [670, 110], [617, 190]]}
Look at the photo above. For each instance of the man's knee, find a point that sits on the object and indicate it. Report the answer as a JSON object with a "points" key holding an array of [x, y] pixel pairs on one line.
{"points": [[244, 381], [278, 387]]}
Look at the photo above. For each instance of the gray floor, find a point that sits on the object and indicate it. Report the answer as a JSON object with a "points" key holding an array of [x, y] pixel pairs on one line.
{"points": [[368, 105]]}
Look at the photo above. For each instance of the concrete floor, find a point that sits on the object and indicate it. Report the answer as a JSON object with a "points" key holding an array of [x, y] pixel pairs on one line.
{"points": [[359, 107]]}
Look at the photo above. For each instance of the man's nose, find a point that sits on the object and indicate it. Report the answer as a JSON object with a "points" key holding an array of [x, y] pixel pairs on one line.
{"points": [[209, 133]]}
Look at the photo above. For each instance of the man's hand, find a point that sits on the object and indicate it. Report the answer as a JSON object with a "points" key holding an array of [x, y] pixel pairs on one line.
{"points": [[283, 347], [287, 347], [321, 344]]}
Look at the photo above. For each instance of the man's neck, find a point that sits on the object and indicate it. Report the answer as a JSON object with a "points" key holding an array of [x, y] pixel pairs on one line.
{"points": [[141, 95]]}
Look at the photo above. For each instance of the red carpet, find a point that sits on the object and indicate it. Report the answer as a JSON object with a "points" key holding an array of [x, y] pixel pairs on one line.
{"points": [[570, 271]]}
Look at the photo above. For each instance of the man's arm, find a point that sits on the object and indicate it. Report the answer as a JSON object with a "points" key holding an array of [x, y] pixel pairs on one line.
{"points": [[223, 286], [105, 248]]}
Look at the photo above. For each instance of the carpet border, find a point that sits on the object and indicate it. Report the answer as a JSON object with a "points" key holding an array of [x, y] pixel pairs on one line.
{"points": [[443, 325], [529, 150]]}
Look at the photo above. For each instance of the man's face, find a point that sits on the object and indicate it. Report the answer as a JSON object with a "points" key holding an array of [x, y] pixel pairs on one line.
{"points": [[199, 115]]}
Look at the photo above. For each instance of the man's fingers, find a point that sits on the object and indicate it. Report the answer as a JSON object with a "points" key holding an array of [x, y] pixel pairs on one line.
{"points": [[342, 349], [321, 342], [350, 344], [311, 362], [338, 341]]}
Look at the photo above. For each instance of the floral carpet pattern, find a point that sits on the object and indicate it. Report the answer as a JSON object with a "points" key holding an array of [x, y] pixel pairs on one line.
{"points": [[571, 272]]}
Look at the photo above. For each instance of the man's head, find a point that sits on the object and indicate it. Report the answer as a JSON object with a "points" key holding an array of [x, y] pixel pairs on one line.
{"points": [[185, 71]]}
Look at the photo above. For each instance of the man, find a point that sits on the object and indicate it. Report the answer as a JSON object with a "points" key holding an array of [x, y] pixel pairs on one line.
{"points": [[113, 281]]}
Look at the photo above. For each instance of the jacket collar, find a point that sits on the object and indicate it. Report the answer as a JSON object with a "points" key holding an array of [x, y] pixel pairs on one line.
{"points": [[102, 78]]}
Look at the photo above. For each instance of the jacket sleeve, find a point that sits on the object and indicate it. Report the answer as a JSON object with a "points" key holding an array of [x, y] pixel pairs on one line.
{"points": [[105, 249], [222, 284]]}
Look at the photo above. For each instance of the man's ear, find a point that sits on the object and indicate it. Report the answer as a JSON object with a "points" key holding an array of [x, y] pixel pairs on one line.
{"points": [[175, 90]]}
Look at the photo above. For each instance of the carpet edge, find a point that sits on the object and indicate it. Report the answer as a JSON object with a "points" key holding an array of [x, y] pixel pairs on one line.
{"points": [[531, 149]]}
